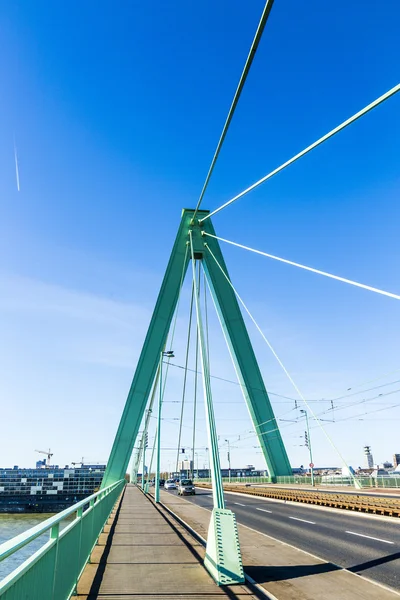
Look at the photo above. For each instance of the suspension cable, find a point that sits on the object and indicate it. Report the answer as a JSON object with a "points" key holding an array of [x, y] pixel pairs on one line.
{"points": [[185, 376], [300, 266], [149, 412], [322, 139], [195, 384], [243, 77], [206, 315], [155, 384], [281, 364], [217, 488], [175, 318]]}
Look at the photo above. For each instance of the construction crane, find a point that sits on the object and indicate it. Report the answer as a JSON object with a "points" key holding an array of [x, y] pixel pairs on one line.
{"points": [[78, 463], [49, 454]]}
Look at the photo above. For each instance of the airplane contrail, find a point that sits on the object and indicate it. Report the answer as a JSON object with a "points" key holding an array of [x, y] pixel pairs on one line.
{"points": [[16, 164]]}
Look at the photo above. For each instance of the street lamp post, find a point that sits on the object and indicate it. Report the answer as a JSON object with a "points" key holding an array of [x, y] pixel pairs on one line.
{"points": [[229, 459], [168, 354], [308, 444]]}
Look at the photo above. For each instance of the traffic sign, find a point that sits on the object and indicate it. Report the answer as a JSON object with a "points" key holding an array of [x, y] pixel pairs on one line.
{"points": [[311, 465]]}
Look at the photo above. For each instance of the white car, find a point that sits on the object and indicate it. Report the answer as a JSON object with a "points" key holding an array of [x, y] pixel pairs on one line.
{"points": [[170, 485]]}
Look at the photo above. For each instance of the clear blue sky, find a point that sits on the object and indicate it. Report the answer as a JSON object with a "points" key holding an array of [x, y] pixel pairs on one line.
{"points": [[116, 108]]}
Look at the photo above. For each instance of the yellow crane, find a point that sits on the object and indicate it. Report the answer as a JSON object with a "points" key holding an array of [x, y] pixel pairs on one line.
{"points": [[49, 454]]}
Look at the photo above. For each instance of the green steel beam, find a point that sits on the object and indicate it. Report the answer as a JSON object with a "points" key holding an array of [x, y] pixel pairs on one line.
{"points": [[149, 358], [242, 352], [237, 338]]}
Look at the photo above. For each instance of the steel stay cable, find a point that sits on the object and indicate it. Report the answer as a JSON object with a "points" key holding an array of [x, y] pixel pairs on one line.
{"points": [[175, 320], [311, 269], [280, 363], [195, 386], [155, 384], [243, 77], [322, 139], [185, 375], [218, 494]]}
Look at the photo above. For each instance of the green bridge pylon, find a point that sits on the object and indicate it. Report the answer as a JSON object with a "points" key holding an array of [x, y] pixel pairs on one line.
{"points": [[223, 557], [237, 338]]}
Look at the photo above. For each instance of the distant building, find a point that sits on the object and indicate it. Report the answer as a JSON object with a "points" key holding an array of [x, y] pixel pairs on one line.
{"points": [[369, 458], [185, 465], [396, 460]]}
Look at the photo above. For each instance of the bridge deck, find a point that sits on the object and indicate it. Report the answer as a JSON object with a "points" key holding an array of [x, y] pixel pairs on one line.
{"points": [[147, 555]]}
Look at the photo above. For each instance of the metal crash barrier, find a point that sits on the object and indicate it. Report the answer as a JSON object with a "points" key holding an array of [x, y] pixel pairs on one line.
{"points": [[357, 502]]}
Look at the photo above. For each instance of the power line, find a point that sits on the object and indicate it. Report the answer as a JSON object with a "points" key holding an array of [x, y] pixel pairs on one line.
{"points": [[243, 77], [322, 139]]}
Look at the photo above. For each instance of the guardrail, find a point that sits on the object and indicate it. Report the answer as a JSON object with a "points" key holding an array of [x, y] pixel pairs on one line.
{"points": [[52, 572], [350, 501], [334, 480]]}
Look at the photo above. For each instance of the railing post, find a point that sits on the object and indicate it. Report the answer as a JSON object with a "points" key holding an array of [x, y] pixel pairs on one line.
{"points": [[79, 515], [54, 535], [91, 508]]}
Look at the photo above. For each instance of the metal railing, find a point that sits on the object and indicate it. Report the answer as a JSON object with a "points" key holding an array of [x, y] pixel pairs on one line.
{"points": [[334, 480], [53, 571]]}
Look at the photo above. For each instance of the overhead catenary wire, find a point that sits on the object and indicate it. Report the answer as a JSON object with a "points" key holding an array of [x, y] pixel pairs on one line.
{"points": [[289, 398], [311, 269], [320, 141], [242, 81], [280, 363]]}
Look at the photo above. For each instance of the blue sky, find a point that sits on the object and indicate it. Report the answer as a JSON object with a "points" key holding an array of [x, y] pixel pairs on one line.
{"points": [[116, 109]]}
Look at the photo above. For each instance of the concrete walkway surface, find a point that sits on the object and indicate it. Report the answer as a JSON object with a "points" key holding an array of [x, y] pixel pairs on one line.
{"points": [[286, 572], [144, 554]]}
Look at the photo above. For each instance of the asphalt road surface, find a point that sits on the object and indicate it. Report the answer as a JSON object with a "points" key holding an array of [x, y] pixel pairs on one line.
{"points": [[367, 546]]}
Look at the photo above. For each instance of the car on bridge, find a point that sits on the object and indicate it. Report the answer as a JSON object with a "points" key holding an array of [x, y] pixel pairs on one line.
{"points": [[170, 484], [186, 487]]}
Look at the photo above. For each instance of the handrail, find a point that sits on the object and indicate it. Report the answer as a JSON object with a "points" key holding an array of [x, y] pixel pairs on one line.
{"points": [[19, 541], [52, 572]]}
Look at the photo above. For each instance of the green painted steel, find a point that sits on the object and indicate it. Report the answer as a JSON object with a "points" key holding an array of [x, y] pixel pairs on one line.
{"points": [[237, 338], [223, 558], [149, 358], [217, 489], [243, 357], [52, 572]]}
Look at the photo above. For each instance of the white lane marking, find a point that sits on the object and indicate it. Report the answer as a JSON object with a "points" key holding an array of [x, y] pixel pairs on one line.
{"points": [[369, 537], [303, 520], [238, 503], [264, 510]]}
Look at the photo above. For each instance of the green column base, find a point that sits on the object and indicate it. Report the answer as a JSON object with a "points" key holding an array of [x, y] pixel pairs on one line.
{"points": [[223, 559]]}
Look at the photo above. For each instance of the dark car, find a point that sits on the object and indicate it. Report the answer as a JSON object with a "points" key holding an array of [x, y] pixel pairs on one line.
{"points": [[162, 482]]}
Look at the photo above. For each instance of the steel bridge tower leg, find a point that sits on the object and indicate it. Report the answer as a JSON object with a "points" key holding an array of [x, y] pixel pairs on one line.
{"points": [[239, 344]]}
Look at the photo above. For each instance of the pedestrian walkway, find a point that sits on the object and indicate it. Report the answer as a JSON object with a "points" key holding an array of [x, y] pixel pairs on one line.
{"points": [[144, 554]]}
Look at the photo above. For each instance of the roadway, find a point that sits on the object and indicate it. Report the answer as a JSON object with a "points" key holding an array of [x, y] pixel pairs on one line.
{"points": [[369, 546]]}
